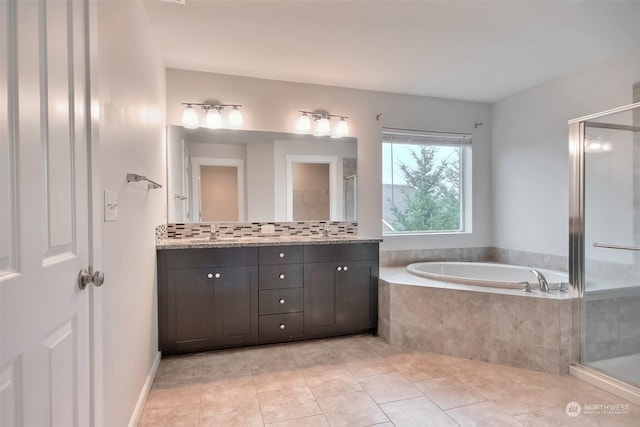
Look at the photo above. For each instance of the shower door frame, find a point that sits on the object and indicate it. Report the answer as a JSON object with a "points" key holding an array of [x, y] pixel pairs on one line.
{"points": [[577, 240]]}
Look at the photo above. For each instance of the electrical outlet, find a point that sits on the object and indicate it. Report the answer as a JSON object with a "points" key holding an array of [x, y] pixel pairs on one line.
{"points": [[267, 229]]}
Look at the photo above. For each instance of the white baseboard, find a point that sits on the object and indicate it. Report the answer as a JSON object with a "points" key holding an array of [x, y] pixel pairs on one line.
{"points": [[135, 417]]}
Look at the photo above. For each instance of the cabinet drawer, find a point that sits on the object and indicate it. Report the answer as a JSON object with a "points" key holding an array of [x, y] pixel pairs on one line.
{"points": [[341, 252], [278, 327], [280, 254], [209, 257], [276, 301], [280, 276]]}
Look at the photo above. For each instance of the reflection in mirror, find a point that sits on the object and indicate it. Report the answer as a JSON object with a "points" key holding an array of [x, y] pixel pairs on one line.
{"points": [[220, 189], [231, 175], [311, 187]]}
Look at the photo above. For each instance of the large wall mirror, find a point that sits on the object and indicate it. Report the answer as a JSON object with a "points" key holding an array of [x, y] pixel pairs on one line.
{"points": [[236, 175]]}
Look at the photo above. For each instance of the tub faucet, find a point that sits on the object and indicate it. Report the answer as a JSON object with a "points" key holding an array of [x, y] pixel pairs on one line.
{"points": [[326, 230], [213, 232], [544, 286]]}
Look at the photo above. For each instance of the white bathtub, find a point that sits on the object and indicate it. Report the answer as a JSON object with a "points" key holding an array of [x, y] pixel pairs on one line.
{"points": [[485, 274]]}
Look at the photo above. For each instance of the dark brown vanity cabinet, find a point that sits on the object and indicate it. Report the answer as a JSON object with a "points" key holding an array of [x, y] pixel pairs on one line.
{"points": [[212, 298], [207, 298], [341, 289]]}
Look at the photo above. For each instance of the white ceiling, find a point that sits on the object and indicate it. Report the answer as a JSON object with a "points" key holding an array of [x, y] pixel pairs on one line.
{"points": [[470, 50]]}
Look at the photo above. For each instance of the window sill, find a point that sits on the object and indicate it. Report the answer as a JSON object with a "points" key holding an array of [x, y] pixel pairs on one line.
{"points": [[419, 234]]}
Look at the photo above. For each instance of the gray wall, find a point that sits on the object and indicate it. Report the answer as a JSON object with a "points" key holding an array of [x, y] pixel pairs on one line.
{"points": [[530, 178], [131, 139], [273, 106]]}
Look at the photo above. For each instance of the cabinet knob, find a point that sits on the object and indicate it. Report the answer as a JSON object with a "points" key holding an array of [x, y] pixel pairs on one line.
{"points": [[339, 268], [210, 276], [281, 254], [281, 276], [281, 325], [217, 276], [281, 301], [345, 268]]}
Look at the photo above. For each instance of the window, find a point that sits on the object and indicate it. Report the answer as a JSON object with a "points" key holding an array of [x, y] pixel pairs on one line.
{"points": [[424, 182]]}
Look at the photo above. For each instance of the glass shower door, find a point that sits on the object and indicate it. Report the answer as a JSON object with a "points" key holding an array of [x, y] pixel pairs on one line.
{"points": [[610, 306]]}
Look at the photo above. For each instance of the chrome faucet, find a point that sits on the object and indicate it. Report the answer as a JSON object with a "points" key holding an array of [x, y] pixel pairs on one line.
{"points": [[326, 230], [544, 285], [213, 232]]}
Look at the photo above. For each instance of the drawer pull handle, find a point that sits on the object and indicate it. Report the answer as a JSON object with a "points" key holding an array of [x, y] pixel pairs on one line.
{"points": [[339, 268], [218, 275], [345, 268], [281, 301], [281, 276], [281, 254], [281, 325]]}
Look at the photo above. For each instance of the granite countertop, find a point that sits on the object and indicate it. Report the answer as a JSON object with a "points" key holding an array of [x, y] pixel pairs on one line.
{"points": [[234, 242]]}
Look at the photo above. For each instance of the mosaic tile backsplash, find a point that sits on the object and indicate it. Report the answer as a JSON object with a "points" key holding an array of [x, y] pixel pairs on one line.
{"points": [[253, 229]]}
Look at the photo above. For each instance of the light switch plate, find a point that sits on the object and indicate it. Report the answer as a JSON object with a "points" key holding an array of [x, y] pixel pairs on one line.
{"points": [[110, 206]]}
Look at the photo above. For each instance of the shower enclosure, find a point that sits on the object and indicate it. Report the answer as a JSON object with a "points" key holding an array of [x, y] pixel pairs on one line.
{"points": [[604, 260], [350, 198]]}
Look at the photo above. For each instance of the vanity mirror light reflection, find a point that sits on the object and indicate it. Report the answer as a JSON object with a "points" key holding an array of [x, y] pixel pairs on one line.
{"points": [[238, 175]]}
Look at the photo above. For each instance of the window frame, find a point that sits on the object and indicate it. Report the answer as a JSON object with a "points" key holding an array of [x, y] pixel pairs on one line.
{"points": [[448, 139]]}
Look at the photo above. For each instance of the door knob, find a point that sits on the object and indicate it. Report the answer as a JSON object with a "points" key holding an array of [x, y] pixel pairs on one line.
{"points": [[84, 278]]}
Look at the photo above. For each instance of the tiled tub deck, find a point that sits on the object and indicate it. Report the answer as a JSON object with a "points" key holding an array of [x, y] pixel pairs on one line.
{"points": [[509, 327]]}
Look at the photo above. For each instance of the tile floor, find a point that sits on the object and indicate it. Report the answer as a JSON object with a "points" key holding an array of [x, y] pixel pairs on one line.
{"points": [[361, 381]]}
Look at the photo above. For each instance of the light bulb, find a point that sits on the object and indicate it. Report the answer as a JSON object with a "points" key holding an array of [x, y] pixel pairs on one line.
{"points": [[342, 129], [213, 118], [190, 118], [323, 127], [303, 124], [235, 118]]}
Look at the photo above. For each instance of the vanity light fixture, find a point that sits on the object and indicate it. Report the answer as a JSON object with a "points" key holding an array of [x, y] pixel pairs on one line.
{"points": [[322, 122], [213, 119], [323, 126], [342, 129], [190, 118], [235, 117], [213, 116], [303, 124]]}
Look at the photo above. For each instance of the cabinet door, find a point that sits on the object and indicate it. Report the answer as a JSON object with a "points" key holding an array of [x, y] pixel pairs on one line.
{"points": [[356, 295], [319, 298], [236, 305], [189, 312]]}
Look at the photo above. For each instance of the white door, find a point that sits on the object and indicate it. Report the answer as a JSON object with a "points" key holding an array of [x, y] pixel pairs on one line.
{"points": [[44, 214]]}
